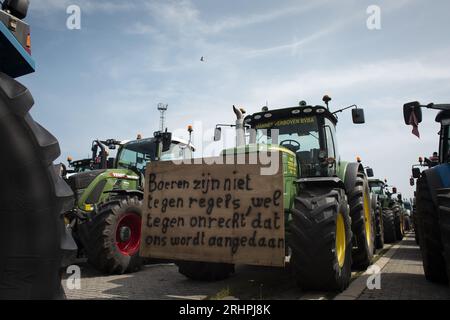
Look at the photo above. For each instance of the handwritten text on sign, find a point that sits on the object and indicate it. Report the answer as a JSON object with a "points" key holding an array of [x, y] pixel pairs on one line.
{"points": [[213, 213]]}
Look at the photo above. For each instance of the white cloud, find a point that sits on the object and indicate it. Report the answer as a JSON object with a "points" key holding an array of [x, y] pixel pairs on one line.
{"points": [[87, 6]]}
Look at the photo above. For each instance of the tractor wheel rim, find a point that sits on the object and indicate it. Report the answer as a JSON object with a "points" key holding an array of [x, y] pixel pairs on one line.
{"points": [[128, 234], [340, 240], [367, 218]]}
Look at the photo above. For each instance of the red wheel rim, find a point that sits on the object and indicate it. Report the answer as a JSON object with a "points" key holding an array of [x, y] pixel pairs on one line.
{"points": [[128, 234]]}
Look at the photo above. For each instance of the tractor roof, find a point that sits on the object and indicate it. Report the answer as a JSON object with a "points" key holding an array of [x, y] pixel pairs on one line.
{"points": [[287, 113], [375, 180]]}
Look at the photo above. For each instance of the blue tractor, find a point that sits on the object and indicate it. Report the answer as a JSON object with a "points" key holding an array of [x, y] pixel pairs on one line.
{"points": [[433, 195], [33, 194]]}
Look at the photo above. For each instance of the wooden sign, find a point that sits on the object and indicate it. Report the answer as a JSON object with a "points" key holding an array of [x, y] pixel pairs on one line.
{"points": [[213, 213]]}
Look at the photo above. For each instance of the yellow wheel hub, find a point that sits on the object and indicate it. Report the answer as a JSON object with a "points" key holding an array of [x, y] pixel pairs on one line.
{"points": [[340, 240], [367, 218]]}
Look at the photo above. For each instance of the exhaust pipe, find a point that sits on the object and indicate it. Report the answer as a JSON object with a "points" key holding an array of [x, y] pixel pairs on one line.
{"points": [[240, 129]]}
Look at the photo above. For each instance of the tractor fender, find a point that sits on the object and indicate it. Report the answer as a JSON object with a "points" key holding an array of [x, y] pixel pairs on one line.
{"points": [[351, 173], [32, 199], [438, 177]]}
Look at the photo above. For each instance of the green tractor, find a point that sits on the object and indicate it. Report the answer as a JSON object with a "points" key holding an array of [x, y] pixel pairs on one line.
{"points": [[397, 206], [407, 208], [106, 220], [380, 210], [393, 212], [328, 214], [383, 196]]}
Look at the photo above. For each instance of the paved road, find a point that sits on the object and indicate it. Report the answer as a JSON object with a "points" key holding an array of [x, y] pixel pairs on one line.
{"points": [[162, 281], [402, 278]]}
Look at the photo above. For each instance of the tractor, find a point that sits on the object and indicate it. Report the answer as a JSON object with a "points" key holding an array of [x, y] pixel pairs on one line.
{"points": [[328, 215], [380, 188], [407, 206], [34, 195], [106, 219], [376, 188], [100, 158], [433, 195], [397, 207]]}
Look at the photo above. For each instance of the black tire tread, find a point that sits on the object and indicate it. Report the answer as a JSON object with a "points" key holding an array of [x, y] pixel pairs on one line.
{"points": [[389, 226], [33, 202], [429, 234], [444, 223], [98, 238], [312, 240], [363, 253]]}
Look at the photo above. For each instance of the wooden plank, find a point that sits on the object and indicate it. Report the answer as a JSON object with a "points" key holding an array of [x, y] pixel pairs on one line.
{"points": [[213, 213]]}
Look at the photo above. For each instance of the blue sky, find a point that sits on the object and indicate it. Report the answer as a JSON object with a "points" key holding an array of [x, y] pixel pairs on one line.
{"points": [[105, 80]]}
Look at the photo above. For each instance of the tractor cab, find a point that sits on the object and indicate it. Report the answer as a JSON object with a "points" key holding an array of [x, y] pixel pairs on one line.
{"points": [[443, 118], [101, 158], [377, 186], [412, 113], [138, 153], [381, 189], [308, 132]]}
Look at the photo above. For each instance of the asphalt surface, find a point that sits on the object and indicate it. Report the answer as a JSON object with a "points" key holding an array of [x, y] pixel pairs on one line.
{"points": [[401, 278]]}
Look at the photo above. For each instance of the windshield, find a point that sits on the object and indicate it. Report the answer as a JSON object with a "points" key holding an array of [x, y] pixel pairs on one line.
{"points": [[136, 154], [407, 205], [376, 187], [300, 135], [177, 151]]}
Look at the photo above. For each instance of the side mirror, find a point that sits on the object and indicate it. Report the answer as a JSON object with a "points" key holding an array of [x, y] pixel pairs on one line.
{"points": [[416, 173], [218, 134], [411, 182], [358, 116], [409, 109], [369, 172]]}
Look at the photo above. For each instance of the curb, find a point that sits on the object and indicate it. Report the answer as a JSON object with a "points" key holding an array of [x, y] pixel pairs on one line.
{"points": [[358, 285]]}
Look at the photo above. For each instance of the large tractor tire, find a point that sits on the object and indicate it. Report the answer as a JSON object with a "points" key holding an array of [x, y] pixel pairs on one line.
{"points": [[399, 222], [379, 227], [205, 271], [429, 233], [32, 197], [321, 240], [112, 238], [444, 222], [361, 214], [416, 229], [389, 226]]}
